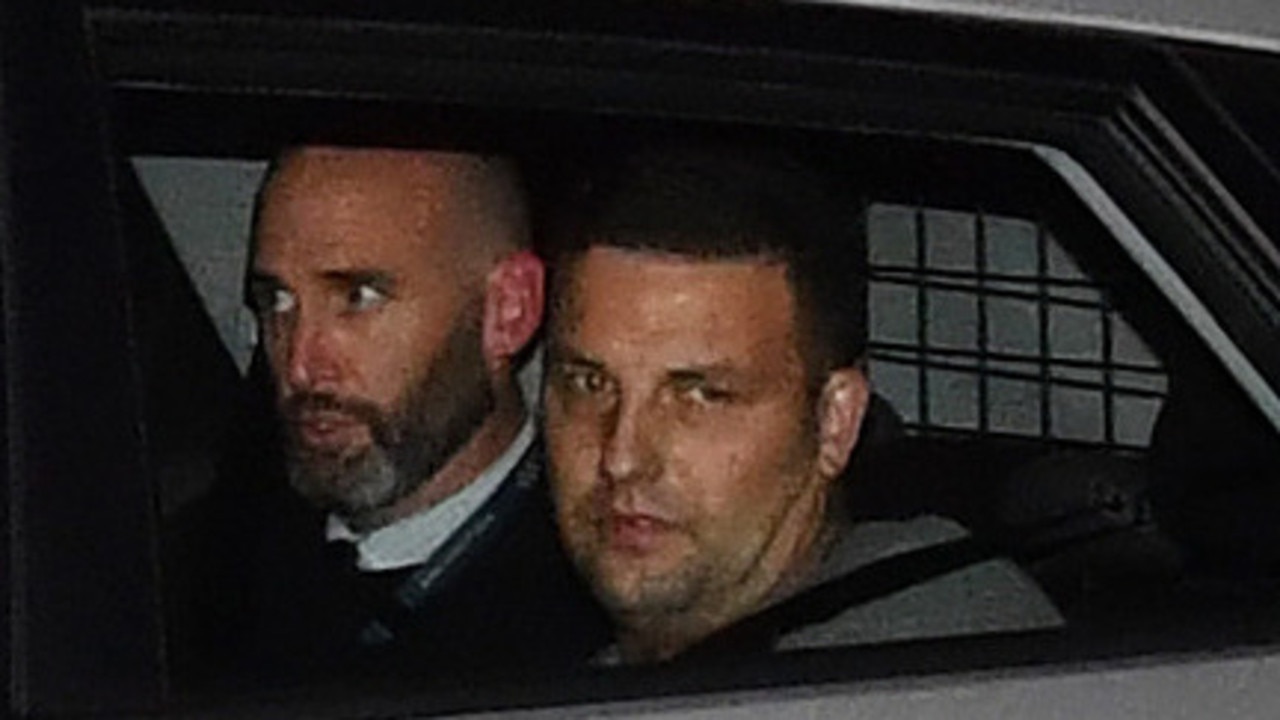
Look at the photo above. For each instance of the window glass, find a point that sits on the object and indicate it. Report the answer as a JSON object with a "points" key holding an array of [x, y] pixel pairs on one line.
{"points": [[205, 206], [985, 325], [1029, 391]]}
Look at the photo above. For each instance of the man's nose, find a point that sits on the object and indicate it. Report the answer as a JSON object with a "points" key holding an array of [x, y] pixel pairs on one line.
{"points": [[311, 356], [630, 444]]}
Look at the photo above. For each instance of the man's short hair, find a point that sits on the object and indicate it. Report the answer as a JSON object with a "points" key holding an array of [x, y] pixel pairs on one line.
{"points": [[731, 201]]}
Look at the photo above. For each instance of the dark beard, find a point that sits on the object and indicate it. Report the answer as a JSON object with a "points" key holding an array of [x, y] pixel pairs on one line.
{"points": [[439, 413]]}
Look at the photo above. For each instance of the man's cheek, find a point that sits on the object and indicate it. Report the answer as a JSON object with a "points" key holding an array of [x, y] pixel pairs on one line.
{"points": [[579, 459], [573, 498], [583, 532]]}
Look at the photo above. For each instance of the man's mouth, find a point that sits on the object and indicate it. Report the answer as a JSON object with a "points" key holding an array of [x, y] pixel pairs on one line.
{"points": [[327, 429], [636, 532]]}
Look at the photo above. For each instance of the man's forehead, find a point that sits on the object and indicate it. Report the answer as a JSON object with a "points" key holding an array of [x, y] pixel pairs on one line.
{"points": [[705, 310], [673, 278], [466, 206], [431, 181], [351, 201]]}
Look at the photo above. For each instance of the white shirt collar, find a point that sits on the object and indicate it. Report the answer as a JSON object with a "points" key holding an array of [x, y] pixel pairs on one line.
{"points": [[414, 539]]}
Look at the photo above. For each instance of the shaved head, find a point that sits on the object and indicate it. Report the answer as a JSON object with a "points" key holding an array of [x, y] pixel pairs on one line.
{"points": [[482, 196]]}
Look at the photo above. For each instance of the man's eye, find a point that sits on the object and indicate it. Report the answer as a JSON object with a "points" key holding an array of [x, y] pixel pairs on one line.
{"points": [[583, 381], [277, 302], [707, 394], [365, 297]]}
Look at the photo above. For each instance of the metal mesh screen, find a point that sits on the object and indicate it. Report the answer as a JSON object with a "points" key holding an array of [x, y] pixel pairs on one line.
{"points": [[984, 325]]}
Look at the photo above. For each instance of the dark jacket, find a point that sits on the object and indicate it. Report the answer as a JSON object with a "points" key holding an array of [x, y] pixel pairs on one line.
{"points": [[277, 606]]}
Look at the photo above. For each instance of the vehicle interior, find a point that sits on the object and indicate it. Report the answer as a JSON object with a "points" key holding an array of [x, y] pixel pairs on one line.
{"points": [[1073, 304]]}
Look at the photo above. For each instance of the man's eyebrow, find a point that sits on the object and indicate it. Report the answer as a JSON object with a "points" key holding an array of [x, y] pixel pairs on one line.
{"points": [[380, 279], [701, 372], [561, 355]]}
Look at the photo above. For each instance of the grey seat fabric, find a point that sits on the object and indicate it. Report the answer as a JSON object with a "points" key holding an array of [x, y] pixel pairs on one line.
{"points": [[1079, 522], [987, 595]]}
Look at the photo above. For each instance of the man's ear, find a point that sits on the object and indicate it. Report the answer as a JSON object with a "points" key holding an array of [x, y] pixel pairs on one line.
{"points": [[840, 411], [514, 297]]}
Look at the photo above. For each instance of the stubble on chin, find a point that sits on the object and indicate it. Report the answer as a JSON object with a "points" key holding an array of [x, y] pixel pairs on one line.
{"points": [[666, 582], [357, 485]]}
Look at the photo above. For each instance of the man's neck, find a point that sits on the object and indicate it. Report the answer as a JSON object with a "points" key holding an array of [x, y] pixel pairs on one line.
{"points": [[490, 440]]}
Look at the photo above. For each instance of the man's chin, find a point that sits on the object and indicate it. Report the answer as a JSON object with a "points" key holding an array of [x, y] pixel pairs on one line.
{"points": [[630, 584], [644, 597], [352, 486]]}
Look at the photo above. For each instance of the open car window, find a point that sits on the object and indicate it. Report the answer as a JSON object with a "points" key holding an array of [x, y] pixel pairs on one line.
{"points": [[1073, 296]]}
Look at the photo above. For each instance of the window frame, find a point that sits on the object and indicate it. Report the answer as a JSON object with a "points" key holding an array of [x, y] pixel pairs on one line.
{"points": [[1125, 109]]}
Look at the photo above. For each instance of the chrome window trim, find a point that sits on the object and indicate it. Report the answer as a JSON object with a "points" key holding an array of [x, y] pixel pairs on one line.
{"points": [[1246, 25], [1167, 279]]}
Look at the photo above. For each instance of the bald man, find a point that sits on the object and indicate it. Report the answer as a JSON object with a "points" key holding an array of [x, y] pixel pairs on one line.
{"points": [[395, 293]]}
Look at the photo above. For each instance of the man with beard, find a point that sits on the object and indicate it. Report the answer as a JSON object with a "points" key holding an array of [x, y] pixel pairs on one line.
{"points": [[704, 392], [395, 294]]}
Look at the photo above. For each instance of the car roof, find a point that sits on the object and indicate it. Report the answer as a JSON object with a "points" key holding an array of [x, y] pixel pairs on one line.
{"points": [[1251, 24]]}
